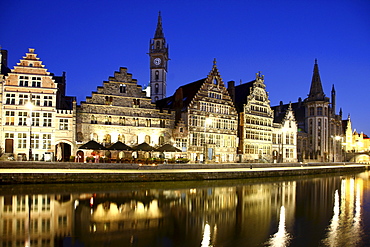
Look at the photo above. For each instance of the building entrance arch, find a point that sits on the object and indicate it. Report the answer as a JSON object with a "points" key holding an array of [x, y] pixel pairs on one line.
{"points": [[62, 151]]}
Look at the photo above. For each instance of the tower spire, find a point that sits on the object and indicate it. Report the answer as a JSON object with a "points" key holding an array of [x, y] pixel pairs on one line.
{"points": [[316, 91], [159, 30]]}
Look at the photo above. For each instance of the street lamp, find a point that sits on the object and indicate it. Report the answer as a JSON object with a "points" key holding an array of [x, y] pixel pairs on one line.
{"points": [[206, 121], [283, 129], [29, 105]]}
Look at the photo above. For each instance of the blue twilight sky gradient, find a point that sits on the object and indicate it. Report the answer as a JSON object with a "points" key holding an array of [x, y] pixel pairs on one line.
{"points": [[92, 39]]}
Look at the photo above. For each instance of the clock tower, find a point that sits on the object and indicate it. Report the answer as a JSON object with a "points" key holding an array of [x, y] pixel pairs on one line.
{"points": [[158, 53]]}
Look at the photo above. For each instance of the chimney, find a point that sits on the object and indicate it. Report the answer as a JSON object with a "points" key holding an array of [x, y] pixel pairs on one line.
{"points": [[231, 90]]}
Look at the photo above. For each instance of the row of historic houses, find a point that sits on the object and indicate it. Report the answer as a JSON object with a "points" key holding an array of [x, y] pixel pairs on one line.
{"points": [[206, 120]]}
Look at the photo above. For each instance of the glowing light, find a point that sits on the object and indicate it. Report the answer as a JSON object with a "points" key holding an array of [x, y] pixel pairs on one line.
{"points": [[282, 237], [91, 201], [206, 236]]}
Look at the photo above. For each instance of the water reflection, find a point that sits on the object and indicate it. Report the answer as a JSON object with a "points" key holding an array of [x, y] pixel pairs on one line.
{"points": [[282, 237], [274, 212], [345, 227]]}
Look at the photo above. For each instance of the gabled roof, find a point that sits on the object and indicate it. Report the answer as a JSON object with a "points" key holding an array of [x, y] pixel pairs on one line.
{"points": [[280, 111], [184, 93], [241, 94]]}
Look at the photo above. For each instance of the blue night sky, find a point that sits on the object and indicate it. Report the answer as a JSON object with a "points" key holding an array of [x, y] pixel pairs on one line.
{"points": [[89, 40]]}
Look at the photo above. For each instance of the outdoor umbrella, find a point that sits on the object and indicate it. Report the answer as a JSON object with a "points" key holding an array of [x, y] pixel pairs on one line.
{"points": [[144, 147], [93, 145], [120, 146], [168, 148]]}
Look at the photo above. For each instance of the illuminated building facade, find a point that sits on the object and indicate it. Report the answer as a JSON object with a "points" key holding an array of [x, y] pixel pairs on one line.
{"points": [[319, 127], [255, 119], [206, 113], [120, 111], [284, 135], [37, 119], [356, 146], [263, 135]]}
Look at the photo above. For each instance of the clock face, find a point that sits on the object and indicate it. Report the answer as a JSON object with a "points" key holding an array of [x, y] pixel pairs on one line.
{"points": [[157, 61]]}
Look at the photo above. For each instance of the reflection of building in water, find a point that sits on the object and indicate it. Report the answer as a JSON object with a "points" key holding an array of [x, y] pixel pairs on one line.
{"points": [[259, 208], [345, 225], [124, 218], [34, 220]]}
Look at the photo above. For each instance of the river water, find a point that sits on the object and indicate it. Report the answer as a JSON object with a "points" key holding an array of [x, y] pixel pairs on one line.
{"points": [[331, 210]]}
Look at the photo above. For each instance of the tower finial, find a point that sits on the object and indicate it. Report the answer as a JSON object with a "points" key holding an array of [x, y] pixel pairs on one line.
{"points": [[214, 62]]}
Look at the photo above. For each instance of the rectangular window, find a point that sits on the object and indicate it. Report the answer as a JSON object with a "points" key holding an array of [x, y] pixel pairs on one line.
{"points": [[10, 99], [23, 98], [22, 118], [22, 140], [47, 117], [46, 141], [9, 117], [63, 124], [36, 99], [23, 81], [136, 103], [48, 100], [35, 141], [36, 81], [35, 118]]}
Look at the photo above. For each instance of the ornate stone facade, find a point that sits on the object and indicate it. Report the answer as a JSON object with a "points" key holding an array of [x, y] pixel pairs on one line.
{"points": [[255, 120], [206, 119], [120, 111], [51, 113]]}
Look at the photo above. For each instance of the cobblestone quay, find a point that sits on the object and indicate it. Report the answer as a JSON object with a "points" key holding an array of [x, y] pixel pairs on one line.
{"points": [[53, 172]]}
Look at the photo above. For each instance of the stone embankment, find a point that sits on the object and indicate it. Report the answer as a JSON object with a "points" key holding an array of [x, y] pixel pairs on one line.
{"points": [[13, 172]]}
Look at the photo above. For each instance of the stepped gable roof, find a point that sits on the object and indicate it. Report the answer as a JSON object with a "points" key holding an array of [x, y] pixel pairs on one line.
{"points": [[242, 92]]}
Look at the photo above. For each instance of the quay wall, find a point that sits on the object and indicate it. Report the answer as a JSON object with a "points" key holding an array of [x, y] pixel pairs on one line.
{"points": [[69, 173]]}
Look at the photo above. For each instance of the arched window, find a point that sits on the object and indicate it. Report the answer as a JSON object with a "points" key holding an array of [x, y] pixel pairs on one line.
{"points": [[122, 88], [156, 75], [161, 140], [147, 139], [158, 44], [121, 138], [107, 139], [94, 137], [156, 88], [319, 111], [215, 81], [93, 119]]}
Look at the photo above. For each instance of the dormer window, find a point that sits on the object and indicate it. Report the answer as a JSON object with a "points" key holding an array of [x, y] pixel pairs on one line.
{"points": [[31, 65], [122, 88]]}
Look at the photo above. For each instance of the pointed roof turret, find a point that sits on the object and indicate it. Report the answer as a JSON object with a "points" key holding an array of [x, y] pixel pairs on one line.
{"points": [[316, 91], [159, 31]]}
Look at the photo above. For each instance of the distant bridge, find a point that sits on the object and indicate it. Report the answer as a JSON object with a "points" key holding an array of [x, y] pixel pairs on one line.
{"points": [[358, 157]]}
